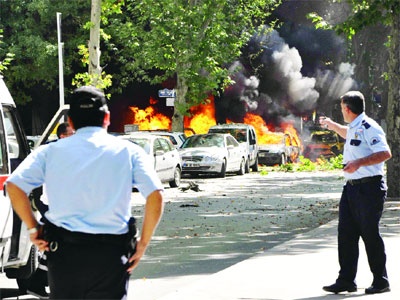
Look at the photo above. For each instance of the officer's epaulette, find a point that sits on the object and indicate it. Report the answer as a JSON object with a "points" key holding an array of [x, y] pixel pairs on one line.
{"points": [[365, 124]]}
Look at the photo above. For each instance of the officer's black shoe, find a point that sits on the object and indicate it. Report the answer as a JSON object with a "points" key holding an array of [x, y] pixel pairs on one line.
{"points": [[39, 292], [340, 287], [373, 289]]}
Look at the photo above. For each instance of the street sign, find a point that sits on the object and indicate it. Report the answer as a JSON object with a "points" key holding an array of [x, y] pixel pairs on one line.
{"points": [[170, 101], [166, 93]]}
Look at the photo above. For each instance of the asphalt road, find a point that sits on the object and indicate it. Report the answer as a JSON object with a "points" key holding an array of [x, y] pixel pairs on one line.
{"points": [[225, 221], [231, 219]]}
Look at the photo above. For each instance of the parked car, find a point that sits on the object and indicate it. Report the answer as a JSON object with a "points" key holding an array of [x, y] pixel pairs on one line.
{"points": [[176, 138], [212, 153], [323, 143], [246, 136], [286, 149], [165, 156]]}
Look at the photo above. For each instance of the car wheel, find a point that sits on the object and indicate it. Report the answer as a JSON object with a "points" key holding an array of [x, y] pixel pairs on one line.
{"points": [[247, 166], [283, 159], [242, 168], [177, 178], [254, 167], [222, 174]]}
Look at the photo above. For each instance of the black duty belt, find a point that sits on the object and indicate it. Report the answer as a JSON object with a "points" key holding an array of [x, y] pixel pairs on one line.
{"points": [[55, 234], [364, 180]]}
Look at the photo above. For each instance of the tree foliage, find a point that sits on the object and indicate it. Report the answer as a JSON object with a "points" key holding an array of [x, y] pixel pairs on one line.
{"points": [[30, 33]]}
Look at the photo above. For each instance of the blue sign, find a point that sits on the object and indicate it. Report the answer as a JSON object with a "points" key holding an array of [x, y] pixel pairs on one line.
{"points": [[166, 93]]}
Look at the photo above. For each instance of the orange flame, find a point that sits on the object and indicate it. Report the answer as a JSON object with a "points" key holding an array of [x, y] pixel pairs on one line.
{"points": [[202, 117], [148, 119], [266, 136]]}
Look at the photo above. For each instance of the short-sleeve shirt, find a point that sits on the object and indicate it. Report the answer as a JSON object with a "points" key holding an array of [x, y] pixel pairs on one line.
{"points": [[88, 179], [364, 137]]}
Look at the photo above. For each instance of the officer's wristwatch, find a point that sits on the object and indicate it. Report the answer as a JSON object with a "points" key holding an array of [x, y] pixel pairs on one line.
{"points": [[33, 230]]}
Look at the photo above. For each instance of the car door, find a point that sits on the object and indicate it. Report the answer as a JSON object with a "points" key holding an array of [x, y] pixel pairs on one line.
{"points": [[170, 158], [234, 153], [159, 159]]}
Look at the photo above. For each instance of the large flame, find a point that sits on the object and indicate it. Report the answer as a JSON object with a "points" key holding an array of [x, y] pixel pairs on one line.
{"points": [[266, 136], [149, 119], [202, 117]]}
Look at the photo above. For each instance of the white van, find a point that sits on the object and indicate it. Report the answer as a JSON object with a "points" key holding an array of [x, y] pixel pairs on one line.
{"points": [[17, 254], [246, 135]]}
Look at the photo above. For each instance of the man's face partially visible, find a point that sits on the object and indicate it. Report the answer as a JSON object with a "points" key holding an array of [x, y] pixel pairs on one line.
{"points": [[68, 133]]}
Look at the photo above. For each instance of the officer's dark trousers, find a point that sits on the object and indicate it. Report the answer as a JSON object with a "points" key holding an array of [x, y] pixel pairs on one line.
{"points": [[88, 271], [360, 210]]}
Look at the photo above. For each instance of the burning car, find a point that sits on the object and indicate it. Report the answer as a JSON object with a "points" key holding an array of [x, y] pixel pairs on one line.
{"points": [[323, 143], [283, 148], [212, 153]]}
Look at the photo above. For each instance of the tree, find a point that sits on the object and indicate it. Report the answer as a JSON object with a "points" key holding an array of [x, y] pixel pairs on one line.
{"points": [[366, 13], [7, 59], [190, 41]]}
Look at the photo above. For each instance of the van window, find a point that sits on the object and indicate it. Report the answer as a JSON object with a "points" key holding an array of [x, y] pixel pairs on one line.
{"points": [[17, 146]]}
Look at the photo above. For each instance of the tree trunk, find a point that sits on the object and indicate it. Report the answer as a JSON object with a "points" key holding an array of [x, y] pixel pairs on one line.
{"points": [[393, 115], [180, 104], [94, 42]]}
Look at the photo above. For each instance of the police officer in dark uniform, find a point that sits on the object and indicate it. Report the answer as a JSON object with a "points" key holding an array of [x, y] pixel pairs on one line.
{"points": [[363, 195]]}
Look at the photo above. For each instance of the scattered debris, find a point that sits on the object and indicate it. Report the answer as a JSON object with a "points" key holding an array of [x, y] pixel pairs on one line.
{"points": [[192, 186], [189, 205]]}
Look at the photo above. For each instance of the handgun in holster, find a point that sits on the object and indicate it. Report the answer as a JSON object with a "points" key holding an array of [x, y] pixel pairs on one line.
{"points": [[132, 236]]}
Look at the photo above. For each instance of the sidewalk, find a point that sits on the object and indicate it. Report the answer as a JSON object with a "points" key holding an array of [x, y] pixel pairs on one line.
{"points": [[295, 270]]}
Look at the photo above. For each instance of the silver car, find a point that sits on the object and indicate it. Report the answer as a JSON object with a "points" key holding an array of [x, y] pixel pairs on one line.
{"points": [[212, 153], [167, 162]]}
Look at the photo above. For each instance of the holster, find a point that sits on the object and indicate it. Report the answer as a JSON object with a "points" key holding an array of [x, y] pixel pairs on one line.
{"points": [[132, 236]]}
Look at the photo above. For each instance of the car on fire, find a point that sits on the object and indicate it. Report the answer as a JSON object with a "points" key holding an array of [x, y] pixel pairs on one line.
{"points": [[212, 153], [284, 148], [165, 156], [323, 143]]}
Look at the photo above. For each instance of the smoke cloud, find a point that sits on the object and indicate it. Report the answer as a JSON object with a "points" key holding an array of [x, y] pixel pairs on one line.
{"points": [[270, 81]]}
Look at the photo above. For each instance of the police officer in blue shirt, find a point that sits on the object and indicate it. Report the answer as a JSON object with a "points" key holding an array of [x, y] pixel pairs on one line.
{"points": [[88, 179], [363, 195]]}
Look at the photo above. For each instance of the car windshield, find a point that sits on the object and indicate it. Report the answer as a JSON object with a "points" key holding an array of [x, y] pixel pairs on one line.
{"points": [[142, 142], [237, 133], [204, 141]]}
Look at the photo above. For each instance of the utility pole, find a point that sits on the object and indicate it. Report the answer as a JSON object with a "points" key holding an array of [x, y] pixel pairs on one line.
{"points": [[94, 42], [60, 60]]}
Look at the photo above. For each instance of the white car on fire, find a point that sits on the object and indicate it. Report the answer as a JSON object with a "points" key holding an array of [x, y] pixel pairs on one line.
{"points": [[212, 153]]}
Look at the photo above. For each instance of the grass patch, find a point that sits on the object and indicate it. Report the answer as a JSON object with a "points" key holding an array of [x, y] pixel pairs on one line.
{"points": [[306, 165]]}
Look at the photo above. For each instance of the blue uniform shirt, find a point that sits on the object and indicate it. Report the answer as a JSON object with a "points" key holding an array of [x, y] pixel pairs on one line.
{"points": [[364, 137], [88, 179]]}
